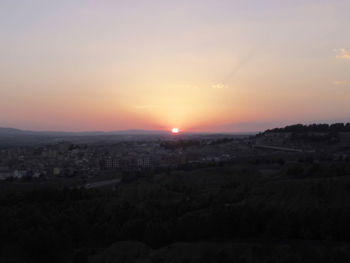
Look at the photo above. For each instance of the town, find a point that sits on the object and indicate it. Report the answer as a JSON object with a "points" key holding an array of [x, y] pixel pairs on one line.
{"points": [[83, 163], [66, 159]]}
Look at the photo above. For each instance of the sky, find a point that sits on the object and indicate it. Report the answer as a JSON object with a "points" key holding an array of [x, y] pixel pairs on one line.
{"points": [[198, 65]]}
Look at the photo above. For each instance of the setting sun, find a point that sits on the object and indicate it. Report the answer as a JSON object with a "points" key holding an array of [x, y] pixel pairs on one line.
{"points": [[175, 130]]}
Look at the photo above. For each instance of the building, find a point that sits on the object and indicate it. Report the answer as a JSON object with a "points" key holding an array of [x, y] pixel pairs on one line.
{"points": [[144, 162], [4, 173], [111, 163]]}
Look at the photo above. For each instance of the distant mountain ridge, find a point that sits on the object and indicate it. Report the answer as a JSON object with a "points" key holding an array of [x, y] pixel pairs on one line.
{"points": [[6, 130], [12, 131], [18, 137]]}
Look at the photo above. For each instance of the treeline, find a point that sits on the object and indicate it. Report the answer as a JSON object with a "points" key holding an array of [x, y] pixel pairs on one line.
{"points": [[326, 128], [224, 203]]}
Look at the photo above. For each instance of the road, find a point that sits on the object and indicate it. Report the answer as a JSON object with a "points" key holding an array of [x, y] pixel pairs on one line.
{"points": [[276, 148], [103, 183]]}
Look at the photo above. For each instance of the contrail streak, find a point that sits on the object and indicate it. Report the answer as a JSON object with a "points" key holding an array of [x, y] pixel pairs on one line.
{"points": [[239, 66]]}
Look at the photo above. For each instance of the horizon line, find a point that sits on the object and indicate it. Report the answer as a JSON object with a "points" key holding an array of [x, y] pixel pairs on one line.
{"points": [[127, 130]]}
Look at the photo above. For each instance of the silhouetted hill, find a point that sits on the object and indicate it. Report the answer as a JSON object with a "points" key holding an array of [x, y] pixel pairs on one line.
{"points": [[219, 214], [335, 127]]}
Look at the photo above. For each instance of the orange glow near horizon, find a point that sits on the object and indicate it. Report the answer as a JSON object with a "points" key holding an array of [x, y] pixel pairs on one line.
{"points": [[154, 66]]}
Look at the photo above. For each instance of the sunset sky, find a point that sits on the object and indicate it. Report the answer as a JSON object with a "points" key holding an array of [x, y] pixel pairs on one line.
{"points": [[198, 65]]}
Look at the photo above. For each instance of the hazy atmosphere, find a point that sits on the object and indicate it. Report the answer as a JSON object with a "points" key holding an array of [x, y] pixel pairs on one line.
{"points": [[174, 131], [196, 65]]}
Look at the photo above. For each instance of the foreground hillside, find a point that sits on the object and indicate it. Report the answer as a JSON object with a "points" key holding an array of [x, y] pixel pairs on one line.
{"points": [[224, 252], [206, 215]]}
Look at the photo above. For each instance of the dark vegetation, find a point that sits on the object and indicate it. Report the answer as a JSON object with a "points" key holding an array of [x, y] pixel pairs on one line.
{"points": [[336, 127], [313, 133], [299, 213]]}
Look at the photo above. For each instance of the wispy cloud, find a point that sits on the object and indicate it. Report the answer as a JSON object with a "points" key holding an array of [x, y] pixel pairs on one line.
{"points": [[342, 53], [340, 83], [219, 86]]}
